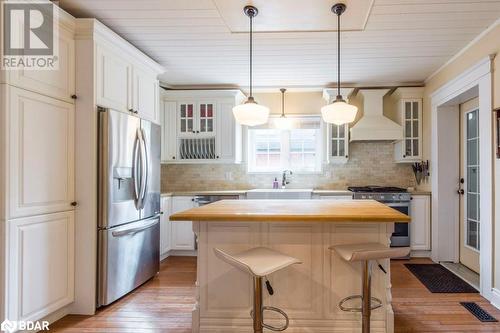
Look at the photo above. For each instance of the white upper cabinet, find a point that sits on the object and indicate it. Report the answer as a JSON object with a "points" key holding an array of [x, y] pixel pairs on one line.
{"points": [[199, 127], [41, 153], [58, 83], [409, 116], [114, 80], [337, 137], [126, 79], [145, 95]]}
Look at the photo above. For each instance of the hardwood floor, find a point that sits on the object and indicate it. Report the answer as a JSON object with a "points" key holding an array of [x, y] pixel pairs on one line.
{"points": [[164, 305]]}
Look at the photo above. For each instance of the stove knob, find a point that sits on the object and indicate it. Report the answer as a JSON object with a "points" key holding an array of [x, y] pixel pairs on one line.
{"points": [[382, 197], [363, 197], [370, 197]]}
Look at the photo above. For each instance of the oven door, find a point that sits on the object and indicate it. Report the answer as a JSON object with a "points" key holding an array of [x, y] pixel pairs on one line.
{"points": [[401, 235]]}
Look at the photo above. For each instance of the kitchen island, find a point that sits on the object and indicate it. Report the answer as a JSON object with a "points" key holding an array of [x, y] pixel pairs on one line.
{"points": [[304, 229]]}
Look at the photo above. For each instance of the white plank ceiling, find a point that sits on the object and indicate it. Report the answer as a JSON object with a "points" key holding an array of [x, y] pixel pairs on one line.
{"points": [[403, 41]]}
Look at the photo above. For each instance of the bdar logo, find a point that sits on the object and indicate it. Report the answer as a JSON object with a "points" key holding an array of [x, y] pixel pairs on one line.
{"points": [[8, 326]]}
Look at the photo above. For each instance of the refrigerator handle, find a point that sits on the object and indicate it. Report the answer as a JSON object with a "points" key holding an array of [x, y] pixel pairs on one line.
{"points": [[144, 169], [135, 172], [124, 231]]}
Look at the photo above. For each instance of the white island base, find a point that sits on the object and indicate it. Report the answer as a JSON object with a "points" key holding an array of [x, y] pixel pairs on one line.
{"points": [[309, 293]]}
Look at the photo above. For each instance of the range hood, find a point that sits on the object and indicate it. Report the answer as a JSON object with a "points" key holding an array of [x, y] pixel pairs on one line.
{"points": [[374, 126]]}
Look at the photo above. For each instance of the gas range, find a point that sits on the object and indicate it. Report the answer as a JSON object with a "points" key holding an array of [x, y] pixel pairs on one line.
{"points": [[388, 194], [394, 197]]}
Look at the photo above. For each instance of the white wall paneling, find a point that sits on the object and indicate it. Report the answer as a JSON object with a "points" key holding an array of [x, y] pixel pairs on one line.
{"points": [[192, 39]]}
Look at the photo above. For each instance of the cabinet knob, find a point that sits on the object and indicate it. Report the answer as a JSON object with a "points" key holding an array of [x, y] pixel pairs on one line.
{"points": [[404, 156], [346, 156], [74, 204], [217, 156], [74, 97], [131, 110], [136, 112], [173, 157]]}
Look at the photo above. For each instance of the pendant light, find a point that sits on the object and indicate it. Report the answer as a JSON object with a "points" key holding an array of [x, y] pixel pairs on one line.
{"points": [[250, 113], [283, 122], [339, 112]]}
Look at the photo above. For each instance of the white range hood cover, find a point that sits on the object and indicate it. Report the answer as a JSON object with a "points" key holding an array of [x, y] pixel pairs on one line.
{"points": [[374, 126]]}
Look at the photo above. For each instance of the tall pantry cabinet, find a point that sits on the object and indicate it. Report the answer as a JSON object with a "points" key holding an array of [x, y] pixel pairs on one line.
{"points": [[37, 186]]}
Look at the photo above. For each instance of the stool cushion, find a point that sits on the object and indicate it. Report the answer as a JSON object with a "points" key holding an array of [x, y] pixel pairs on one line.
{"points": [[259, 261], [369, 251]]}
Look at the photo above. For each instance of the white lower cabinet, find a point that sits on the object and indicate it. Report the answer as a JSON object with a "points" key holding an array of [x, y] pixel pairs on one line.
{"points": [[40, 262], [165, 226], [420, 226], [182, 232]]}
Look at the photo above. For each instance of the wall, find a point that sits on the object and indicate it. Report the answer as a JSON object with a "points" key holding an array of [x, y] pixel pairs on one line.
{"points": [[486, 45], [370, 163]]}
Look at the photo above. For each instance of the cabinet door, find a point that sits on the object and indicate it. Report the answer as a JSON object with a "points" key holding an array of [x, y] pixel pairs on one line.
{"points": [[58, 83], [145, 95], [206, 118], [41, 154], [420, 226], [187, 117], [339, 143], [182, 232], [412, 129], [40, 275], [165, 226], [114, 80], [226, 134], [168, 131]]}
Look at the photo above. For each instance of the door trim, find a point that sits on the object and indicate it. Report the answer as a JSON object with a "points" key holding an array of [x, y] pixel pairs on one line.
{"points": [[476, 81]]}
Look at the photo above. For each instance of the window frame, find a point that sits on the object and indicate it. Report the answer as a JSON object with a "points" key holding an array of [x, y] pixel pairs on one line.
{"points": [[320, 148]]}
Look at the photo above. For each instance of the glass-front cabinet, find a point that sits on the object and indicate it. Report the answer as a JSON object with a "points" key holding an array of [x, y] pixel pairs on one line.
{"points": [[409, 116], [196, 118], [338, 137], [198, 126]]}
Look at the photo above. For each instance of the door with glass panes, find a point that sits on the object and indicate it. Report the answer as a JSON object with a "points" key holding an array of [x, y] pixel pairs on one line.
{"points": [[469, 185], [196, 119]]}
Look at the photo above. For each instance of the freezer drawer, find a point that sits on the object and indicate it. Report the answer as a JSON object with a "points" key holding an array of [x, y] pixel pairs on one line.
{"points": [[129, 255]]}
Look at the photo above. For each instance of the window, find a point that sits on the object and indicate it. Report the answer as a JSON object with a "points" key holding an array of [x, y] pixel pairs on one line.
{"points": [[472, 180], [298, 149]]}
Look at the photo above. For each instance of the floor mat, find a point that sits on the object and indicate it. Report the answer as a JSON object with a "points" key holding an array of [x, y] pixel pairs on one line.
{"points": [[438, 279]]}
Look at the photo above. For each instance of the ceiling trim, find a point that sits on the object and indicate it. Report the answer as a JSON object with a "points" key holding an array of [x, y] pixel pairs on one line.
{"points": [[463, 50]]}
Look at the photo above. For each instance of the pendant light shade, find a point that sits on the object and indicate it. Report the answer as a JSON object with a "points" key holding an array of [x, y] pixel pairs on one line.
{"points": [[250, 113], [283, 122], [339, 112]]}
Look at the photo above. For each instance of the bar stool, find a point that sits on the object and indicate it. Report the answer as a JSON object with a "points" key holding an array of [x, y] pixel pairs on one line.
{"points": [[365, 253], [260, 262]]}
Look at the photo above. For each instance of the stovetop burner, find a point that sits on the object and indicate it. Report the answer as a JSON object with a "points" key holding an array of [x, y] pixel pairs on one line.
{"points": [[376, 189]]}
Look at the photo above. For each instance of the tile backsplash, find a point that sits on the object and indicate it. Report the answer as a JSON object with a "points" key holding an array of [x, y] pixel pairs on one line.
{"points": [[370, 163]]}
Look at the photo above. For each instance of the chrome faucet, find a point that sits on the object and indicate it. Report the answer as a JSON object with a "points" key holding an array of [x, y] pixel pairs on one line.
{"points": [[284, 179]]}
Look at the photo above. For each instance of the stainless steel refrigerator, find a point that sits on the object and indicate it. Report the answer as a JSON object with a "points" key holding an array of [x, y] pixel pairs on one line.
{"points": [[129, 204]]}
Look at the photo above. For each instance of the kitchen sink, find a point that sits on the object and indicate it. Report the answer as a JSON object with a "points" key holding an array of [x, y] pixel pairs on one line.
{"points": [[280, 194]]}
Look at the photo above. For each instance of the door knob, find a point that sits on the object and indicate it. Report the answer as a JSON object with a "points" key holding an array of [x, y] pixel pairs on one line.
{"points": [[74, 204], [461, 192]]}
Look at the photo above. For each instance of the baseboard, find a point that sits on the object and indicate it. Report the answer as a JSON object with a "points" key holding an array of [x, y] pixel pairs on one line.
{"points": [[420, 253], [52, 318], [495, 298], [182, 253]]}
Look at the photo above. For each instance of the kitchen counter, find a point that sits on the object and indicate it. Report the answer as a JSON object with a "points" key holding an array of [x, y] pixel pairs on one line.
{"points": [[305, 229], [293, 211]]}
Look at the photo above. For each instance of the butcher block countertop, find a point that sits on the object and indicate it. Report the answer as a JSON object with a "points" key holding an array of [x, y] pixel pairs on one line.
{"points": [[293, 211]]}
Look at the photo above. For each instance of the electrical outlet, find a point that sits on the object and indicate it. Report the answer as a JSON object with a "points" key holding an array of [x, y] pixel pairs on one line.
{"points": [[328, 174], [228, 175]]}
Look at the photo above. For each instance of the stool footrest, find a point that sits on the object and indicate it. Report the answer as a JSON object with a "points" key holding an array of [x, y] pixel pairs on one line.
{"points": [[281, 312], [375, 303]]}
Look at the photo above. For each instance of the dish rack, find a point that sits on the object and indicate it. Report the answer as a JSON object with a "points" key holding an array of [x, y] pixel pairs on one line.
{"points": [[197, 149]]}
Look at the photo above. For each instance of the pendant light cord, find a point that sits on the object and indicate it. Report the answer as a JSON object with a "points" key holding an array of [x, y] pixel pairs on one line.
{"points": [[283, 103], [251, 53], [338, 55]]}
